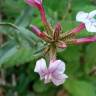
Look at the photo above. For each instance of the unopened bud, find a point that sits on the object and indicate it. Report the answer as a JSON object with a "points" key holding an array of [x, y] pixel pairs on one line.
{"points": [[57, 31], [85, 40], [40, 34]]}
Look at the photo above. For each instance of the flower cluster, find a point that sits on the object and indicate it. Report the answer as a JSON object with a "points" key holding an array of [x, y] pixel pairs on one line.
{"points": [[55, 38]]}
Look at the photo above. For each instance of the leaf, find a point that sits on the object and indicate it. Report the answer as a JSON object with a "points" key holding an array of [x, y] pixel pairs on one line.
{"points": [[80, 88], [71, 57], [7, 51], [90, 57], [25, 18], [23, 55], [9, 8], [40, 87], [19, 33], [23, 83], [27, 34]]}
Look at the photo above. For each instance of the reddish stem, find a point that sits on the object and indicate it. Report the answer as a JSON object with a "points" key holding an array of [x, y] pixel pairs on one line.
{"points": [[43, 16]]}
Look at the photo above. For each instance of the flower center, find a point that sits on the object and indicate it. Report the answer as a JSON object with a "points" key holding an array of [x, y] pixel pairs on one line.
{"points": [[48, 76]]}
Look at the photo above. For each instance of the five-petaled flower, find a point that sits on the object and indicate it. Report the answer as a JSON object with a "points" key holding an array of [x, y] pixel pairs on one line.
{"points": [[54, 73], [88, 19]]}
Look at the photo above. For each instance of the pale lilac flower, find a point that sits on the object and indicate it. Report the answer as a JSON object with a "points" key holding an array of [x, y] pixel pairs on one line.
{"points": [[88, 19], [54, 73]]}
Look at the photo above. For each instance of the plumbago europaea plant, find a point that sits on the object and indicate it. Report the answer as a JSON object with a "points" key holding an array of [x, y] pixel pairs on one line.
{"points": [[55, 38]]}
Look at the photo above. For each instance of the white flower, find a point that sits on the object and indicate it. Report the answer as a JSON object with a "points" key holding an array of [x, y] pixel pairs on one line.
{"points": [[54, 73], [88, 19]]}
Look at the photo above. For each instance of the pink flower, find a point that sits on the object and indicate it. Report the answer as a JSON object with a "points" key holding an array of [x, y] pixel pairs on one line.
{"points": [[54, 73]]}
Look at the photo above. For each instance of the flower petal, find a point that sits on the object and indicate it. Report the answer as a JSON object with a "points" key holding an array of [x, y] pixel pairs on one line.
{"points": [[81, 17], [58, 79], [57, 66], [41, 67], [91, 27], [92, 14]]}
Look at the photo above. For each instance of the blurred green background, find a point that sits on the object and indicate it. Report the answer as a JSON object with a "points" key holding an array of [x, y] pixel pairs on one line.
{"points": [[17, 48]]}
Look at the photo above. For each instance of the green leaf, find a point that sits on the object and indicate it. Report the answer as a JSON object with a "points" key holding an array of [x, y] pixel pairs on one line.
{"points": [[71, 57], [40, 87], [19, 33], [90, 57], [7, 51], [25, 18], [27, 34], [23, 55], [23, 83], [80, 88]]}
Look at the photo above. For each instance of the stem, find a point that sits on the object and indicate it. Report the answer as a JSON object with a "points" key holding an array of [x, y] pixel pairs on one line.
{"points": [[16, 28], [43, 16], [44, 20], [52, 53], [14, 84], [3, 77], [11, 25], [93, 71], [82, 58], [1, 35]]}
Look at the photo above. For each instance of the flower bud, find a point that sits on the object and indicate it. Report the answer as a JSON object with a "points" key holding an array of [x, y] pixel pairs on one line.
{"points": [[57, 31], [40, 34], [85, 40]]}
